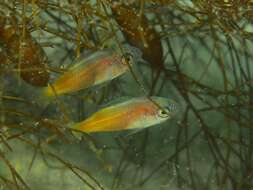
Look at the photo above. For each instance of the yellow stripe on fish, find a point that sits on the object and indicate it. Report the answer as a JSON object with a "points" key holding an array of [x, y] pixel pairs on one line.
{"points": [[135, 113], [99, 67]]}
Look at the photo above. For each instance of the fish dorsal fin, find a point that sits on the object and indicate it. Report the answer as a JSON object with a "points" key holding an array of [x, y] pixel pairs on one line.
{"points": [[88, 58], [117, 101], [128, 99]]}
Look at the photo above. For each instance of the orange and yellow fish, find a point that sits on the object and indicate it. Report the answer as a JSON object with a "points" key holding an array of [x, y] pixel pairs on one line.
{"points": [[97, 68], [136, 113]]}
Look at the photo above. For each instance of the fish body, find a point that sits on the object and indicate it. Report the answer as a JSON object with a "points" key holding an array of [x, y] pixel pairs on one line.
{"points": [[99, 67], [136, 113]]}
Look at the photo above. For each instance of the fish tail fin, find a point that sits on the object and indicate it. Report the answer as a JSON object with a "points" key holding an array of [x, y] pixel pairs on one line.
{"points": [[49, 91], [43, 101]]}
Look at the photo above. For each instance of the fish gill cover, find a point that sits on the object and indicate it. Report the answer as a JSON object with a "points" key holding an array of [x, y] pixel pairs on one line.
{"points": [[197, 53]]}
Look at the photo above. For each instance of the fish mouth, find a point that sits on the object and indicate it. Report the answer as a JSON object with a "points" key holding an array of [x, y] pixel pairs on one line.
{"points": [[173, 107]]}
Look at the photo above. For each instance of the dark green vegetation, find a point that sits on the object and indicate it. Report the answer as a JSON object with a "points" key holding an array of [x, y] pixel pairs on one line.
{"points": [[197, 52]]}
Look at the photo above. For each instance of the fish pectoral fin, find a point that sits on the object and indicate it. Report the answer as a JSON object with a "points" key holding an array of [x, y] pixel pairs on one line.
{"points": [[132, 132], [77, 135]]}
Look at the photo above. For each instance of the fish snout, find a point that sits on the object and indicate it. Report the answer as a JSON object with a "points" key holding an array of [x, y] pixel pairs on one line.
{"points": [[173, 107]]}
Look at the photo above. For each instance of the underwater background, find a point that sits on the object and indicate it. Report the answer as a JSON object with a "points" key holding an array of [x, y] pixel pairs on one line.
{"points": [[197, 53]]}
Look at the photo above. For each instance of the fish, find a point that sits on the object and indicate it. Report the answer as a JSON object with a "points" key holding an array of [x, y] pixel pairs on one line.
{"points": [[97, 68], [135, 113]]}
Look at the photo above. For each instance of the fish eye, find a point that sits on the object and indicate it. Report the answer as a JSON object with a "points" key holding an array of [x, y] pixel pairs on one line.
{"points": [[127, 58], [163, 113]]}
